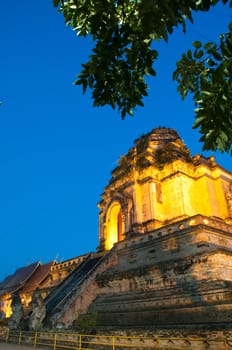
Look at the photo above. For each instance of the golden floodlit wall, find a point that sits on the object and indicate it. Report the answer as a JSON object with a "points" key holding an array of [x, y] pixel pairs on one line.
{"points": [[161, 185], [5, 306]]}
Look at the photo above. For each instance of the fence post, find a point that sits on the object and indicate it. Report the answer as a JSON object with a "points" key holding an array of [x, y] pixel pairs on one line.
{"points": [[35, 340], [158, 342], [54, 347], [7, 335], [113, 343], [20, 336], [80, 341]]}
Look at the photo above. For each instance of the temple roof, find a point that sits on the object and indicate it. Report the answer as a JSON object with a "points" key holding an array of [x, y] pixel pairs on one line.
{"points": [[16, 281], [37, 277]]}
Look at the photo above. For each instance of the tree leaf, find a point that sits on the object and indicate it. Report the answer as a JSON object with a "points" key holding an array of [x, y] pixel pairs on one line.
{"points": [[124, 32], [197, 44]]}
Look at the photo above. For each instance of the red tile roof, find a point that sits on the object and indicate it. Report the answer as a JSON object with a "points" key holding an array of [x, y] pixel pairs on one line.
{"points": [[16, 281], [38, 277]]}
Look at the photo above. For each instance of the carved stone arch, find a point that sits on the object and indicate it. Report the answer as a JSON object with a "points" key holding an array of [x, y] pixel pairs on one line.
{"points": [[116, 219], [113, 225]]}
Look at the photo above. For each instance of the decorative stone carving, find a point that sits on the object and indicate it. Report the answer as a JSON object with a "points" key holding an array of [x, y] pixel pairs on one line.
{"points": [[15, 321], [38, 311], [229, 200]]}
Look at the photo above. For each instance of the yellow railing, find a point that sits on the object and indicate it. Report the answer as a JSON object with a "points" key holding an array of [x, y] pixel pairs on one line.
{"points": [[74, 341]]}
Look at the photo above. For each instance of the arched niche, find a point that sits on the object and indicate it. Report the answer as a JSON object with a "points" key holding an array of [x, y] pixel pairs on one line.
{"points": [[114, 225]]}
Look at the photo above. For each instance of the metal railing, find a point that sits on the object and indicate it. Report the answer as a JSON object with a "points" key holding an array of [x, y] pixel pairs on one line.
{"points": [[74, 341]]}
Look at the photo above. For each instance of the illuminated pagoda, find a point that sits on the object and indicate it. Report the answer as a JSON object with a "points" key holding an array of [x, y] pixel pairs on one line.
{"points": [[164, 257], [165, 245]]}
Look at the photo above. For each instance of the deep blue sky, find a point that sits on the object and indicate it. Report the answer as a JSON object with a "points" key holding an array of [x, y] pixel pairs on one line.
{"points": [[56, 149]]}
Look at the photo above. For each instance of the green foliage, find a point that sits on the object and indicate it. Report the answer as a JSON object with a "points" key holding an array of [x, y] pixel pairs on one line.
{"points": [[123, 32], [86, 321], [206, 72]]}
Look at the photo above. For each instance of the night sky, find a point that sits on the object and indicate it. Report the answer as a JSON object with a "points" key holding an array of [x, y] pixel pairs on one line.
{"points": [[56, 149]]}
